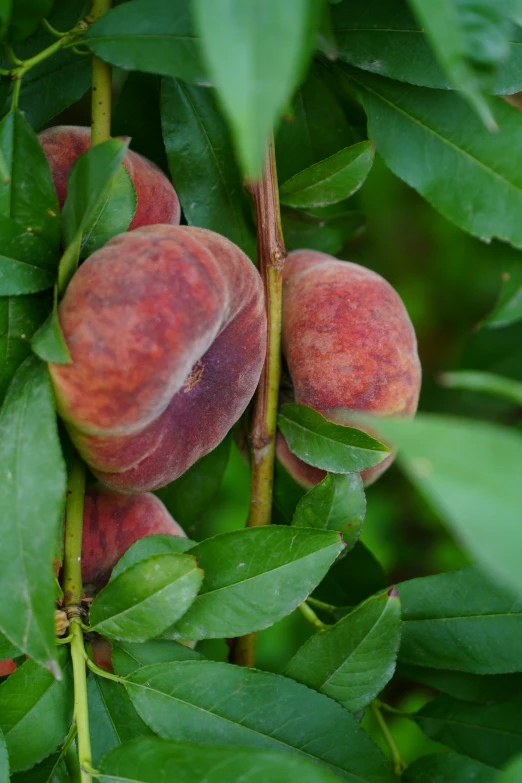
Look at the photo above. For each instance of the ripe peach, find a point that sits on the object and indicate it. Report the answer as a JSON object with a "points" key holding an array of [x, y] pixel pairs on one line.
{"points": [[167, 329], [349, 345], [112, 522], [157, 201], [7, 666]]}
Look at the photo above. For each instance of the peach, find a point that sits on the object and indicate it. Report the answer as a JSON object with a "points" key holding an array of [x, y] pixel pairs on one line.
{"points": [[112, 522], [349, 345], [7, 666], [167, 329], [157, 201]]}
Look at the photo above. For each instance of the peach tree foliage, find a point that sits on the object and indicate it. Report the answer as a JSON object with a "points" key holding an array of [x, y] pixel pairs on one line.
{"points": [[102, 684]]}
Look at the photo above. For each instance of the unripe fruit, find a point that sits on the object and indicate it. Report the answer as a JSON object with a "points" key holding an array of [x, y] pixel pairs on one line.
{"points": [[112, 522], [166, 328], [349, 345], [157, 201]]}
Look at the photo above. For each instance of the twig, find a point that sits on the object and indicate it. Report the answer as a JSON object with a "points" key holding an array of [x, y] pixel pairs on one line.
{"points": [[271, 255]]}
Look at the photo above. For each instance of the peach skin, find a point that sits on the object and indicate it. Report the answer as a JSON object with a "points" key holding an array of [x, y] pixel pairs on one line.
{"points": [[166, 328], [349, 345]]}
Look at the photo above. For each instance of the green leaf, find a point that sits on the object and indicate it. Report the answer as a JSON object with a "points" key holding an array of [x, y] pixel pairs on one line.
{"points": [[50, 770], [87, 187], [336, 503], [187, 497], [489, 733], [137, 114], [32, 493], [512, 773], [154, 36], [328, 235], [354, 659], [352, 578], [148, 546], [303, 137], [455, 464], [114, 213], [5, 15], [20, 316], [508, 309], [7, 650], [461, 620], [484, 382], [147, 598], [256, 53], [48, 341], [26, 15], [469, 45], [325, 445], [331, 180], [446, 767], [475, 45], [35, 711], [152, 760], [477, 688], [128, 657], [204, 701], [281, 564], [434, 142], [54, 85], [202, 163], [27, 193], [112, 717], [4, 760], [27, 264]]}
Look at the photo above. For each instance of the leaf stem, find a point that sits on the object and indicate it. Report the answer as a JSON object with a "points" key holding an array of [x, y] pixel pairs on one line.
{"points": [[399, 765], [73, 590], [101, 84], [102, 673], [271, 254], [309, 614], [330, 608]]}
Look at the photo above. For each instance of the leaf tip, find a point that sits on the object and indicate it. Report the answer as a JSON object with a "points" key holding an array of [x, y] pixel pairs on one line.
{"points": [[393, 592]]}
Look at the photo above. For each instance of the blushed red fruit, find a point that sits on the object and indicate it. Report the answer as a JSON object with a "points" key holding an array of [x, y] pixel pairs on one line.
{"points": [[167, 329], [102, 654], [7, 666], [112, 522], [349, 345], [157, 201]]}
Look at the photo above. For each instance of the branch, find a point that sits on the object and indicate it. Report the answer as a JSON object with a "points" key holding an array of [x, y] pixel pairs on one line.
{"points": [[101, 85], [271, 255]]}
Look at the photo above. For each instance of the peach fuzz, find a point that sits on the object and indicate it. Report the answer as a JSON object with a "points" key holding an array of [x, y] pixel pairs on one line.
{"points": [[157, 201], [349, 345], [167, 330], [112, 522]]}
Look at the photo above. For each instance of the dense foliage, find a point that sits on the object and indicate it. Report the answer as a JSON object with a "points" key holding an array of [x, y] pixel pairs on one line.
{"points": [[389, 618]]}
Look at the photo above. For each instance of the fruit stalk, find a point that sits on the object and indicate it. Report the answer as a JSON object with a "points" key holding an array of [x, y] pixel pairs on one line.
{"points": [[73, 591], [101, 84], [271, 254]]}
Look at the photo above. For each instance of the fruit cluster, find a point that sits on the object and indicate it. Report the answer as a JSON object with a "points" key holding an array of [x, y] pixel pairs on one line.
{"points": [[166, 327]]}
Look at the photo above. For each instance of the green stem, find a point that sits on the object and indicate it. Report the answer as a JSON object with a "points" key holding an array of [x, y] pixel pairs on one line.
{"points": [[73, 590], [309, 614], [271, 255], [399, 765], [330, 608], [101, 85], [52, 30], [102, 673]]}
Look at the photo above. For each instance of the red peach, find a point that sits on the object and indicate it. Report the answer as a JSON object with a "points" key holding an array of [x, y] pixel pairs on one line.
{"points": [[7, 666], [167, 330], [157, 201], [112, 522], [349, 345]]}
